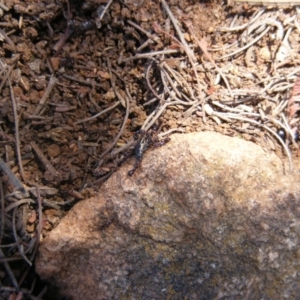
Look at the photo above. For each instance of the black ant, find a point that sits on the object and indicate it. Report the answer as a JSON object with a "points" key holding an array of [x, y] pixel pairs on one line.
{"points": [[67, 62], [145, 140]]}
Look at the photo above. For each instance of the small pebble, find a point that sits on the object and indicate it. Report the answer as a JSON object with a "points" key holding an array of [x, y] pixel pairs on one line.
{"points": [[27, 148], [31, 217], [264, 53], [30, 228], [53, 150]]}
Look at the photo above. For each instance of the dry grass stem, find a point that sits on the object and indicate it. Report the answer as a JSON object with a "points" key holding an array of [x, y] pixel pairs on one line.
{"points": [[12, 177], [17, 136], [246, 46], [158, 97], [9, 271], [203, 46], [2, 214], [18, 203], [44, 160], [7, 71], [148, 55], [40, 224], [149, 35], [51, 84], [188, 51], [122, 100], [174, 21], [17, 239], [98, 114], [109, 2]]}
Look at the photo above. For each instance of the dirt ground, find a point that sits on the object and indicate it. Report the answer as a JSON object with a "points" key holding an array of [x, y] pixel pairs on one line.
{"points": [[80, 79]]}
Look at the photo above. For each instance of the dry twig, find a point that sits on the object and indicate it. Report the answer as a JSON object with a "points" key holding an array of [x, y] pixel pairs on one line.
{"points": [[46, 94], [9, 271], [122, 100], [12, 177], [2, 222], [44, 160], [188, 51], [17, 239], [17, 137]]}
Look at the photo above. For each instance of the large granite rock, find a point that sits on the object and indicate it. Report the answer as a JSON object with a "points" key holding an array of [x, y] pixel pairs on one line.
{"points": [[204, 217]]}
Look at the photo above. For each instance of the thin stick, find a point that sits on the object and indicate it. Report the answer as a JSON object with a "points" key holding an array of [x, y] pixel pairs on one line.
{"points": [[7, 74], [168, 77], [40, 225], [2, 211], [188, 51], [50, 204], [9, 272], [289, 130], [98, 114], [162, 134], [147, 55], [163, 72], [152, 118], [68, 32], [18, 203], [12, 177], [270, 130], [180, 79], [152, 100], [118, 135], [20, 246], [4, 7], [246, 46], [123, 148], [149, 83], [91, 84], [8, 40], [256, 15], [203, 47], [47, 92], [9, 245], [179, 94], [12, 258], [149, 35], [14, 106], [42, 293], [125, 118], [44, 160], [105, 9]]}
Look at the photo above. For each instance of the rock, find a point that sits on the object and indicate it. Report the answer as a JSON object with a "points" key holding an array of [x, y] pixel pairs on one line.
{"points": [[204, 217]]}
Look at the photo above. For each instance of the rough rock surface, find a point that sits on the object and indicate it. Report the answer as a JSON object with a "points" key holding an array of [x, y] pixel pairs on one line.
{"points": [[204, 217]]}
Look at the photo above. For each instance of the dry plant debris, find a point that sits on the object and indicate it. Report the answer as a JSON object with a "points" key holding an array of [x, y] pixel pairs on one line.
{"points": [[78, 79]]}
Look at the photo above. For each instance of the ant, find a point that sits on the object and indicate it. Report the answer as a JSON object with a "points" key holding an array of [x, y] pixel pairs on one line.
{"points": [[145, 141], [67, 62]]}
